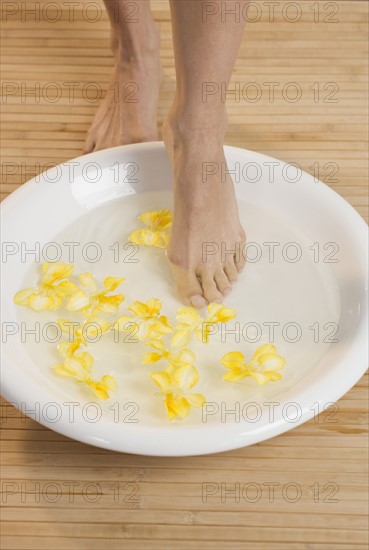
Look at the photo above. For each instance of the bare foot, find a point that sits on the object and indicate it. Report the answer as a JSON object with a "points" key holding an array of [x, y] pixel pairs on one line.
{"points": [[127, 114], [207, 239]]}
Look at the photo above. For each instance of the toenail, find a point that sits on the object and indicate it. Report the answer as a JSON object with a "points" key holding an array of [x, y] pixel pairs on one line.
{"points": [[197, 301], [226, 291]]}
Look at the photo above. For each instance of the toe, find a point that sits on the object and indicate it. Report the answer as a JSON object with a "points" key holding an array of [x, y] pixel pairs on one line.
{"points": [[230, 270], [197, 301], [210, 288], [222, 282], [189, 288], [240, 264]]}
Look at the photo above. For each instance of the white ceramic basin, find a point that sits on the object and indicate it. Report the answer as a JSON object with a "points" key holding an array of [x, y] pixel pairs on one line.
{"points": [[97, 198]]}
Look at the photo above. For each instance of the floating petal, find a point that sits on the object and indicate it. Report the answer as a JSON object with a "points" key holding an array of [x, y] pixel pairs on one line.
{"points": [[110, 304], [65, 289], [40, 302], [233, 359], [161, 379], [196, 399], [185, 377], [146, 310], [265, 348], [181, 338], [176, 406], [22, 297], [183, 358], [157, 219], [88, 282], [111, 283], [271, 361], [55, 271], [78, 301], [218, 313], [150, 358], [159, 239]]}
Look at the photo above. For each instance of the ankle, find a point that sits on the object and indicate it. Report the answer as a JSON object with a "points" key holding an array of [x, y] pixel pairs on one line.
{"points": [[134, 48], [185, 126]]}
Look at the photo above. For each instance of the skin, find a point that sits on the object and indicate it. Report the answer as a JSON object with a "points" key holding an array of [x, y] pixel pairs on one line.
{"points": [[128, 112], [207, 236]]}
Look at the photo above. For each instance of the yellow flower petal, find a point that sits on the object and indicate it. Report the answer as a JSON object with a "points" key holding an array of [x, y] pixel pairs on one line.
{"points": [[157, 220], [161, 379], [127, 324], [163, 324], [139, 308], [88, 282], [183, 358], [22, 297], [110, 304], [108, 382], [150, 358], [73, 368], [273, 376], [181, 338], [68, 349], [185, 377], [161, 239], [153, 307], [96, 326], [176, 406], [58, 301], [266, 348], [195, 399], [146, 237], [63, 370], [141, 237], [156, 343], [235, 375], [78, 301], [55, 271], [146, 310], [100, 389], [188, 316], [63, 348], [111, 283], [40, 302], [65, 289], [158, 327], [263, 367], [101, 393], [270, 361], [218, 313], [260, 378], [49, 295], [233, 359], [85, 360]]}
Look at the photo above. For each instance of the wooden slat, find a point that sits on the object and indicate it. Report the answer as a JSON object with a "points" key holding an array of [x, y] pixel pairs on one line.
{"points": [[58, 493]]}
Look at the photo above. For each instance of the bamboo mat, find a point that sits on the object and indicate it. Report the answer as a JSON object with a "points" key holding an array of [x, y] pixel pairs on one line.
{"points": [[306, 489]]}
